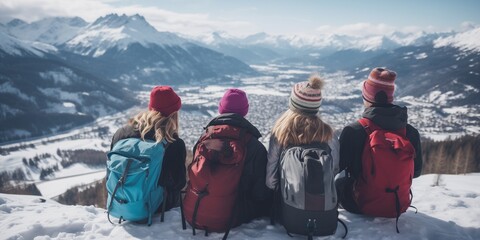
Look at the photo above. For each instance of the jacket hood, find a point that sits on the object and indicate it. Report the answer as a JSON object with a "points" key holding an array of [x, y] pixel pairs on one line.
{"points": [[235, 120], [391, 117]]}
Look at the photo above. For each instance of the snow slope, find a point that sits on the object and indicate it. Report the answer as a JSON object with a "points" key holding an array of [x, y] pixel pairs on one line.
{"points": [[467, 41], [448, 211], [15, 47], [53, 30], [114, 31]]}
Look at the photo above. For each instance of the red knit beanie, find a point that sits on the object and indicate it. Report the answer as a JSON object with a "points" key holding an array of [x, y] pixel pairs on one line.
{"points": [[164, 100], [234, 101], [379, 86]]}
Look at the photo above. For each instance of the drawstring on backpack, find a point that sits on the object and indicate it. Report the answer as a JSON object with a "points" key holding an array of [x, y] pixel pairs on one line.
{"points": [[120, 182], [344, 226], [201, 194], [397, 203], [411, 198]]}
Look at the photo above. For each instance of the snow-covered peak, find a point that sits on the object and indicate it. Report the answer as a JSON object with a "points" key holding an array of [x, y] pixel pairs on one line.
{"points": [[16, 22], [467, 41], [119, 31], [215, 38], [261, 36], [115, 21], [76, 21], [282, 41], [266, 39], [222, 36], [403, 38], [54, 30], [334, 41], [376, 43], [15, 47]]}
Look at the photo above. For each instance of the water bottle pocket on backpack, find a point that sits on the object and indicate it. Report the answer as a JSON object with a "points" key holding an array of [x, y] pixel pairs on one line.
{"points": [[132, 189], [132, 211]]}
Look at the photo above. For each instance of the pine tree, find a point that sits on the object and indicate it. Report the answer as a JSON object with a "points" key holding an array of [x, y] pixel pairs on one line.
{"points": [[439, 163], [458, 162], [468, 157]]}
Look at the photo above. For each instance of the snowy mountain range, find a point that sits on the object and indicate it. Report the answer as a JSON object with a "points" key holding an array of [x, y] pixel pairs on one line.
{"points": [[128, 49], [65, 72], [44, 95], [58, 65], [277, 47], [54, 30], [11, 46], [119, 32]]}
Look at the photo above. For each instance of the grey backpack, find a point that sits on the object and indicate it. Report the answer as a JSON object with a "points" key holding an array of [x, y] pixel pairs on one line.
{"points": [[309, 199]]}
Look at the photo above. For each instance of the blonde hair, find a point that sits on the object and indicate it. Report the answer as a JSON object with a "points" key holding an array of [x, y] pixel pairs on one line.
{"points": [[164, 127], [293, 128]]}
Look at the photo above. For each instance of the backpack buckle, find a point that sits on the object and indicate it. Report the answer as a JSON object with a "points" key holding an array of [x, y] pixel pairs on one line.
{"points": [[311, 225]]}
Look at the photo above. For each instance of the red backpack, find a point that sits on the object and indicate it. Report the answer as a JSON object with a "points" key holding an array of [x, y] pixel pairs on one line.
{"points": [[383, 190], [214, 177]]}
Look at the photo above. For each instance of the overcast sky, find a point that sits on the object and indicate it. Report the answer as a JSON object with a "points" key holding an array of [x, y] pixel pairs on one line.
{"points": [[243, 17]]}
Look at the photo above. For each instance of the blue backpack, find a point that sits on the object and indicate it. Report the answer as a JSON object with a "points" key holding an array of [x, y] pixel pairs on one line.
{"points": [[133, 170]]}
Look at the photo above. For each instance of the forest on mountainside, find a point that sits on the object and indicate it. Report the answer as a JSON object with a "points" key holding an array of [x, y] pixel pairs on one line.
{"points": [[457, 156]]}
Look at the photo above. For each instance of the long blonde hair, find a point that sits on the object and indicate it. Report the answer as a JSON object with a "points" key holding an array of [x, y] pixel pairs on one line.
{"points": [[294, 128], [165, 127]]}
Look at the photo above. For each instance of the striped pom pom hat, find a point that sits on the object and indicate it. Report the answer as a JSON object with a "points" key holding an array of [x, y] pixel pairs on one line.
{"points": [[379, 86], [306, 97]]}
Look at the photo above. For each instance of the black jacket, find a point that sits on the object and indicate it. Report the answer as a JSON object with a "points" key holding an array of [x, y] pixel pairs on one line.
{"points": [[353, 137], [173, 175], [255, 198]]}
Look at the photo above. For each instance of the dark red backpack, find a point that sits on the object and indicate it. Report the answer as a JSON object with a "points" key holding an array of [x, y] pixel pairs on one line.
{"points": [[383, 190], [214, 177]]}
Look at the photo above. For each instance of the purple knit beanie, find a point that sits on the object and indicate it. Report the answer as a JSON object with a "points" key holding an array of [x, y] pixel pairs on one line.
{"points": [[234, 101]]}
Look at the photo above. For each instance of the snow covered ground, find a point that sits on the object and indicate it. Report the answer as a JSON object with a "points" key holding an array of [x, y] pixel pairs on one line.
{"points": [[59, 185], [448, 211]]}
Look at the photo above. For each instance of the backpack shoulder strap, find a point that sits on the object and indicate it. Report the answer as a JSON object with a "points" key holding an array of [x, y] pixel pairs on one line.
{"points": [[165, 143], [368, 125], [344, 226]]}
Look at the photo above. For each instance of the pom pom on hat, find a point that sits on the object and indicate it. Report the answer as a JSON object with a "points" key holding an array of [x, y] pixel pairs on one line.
{"points": [[306, 97], [234, 101], [379, 86], [164, 100]]}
